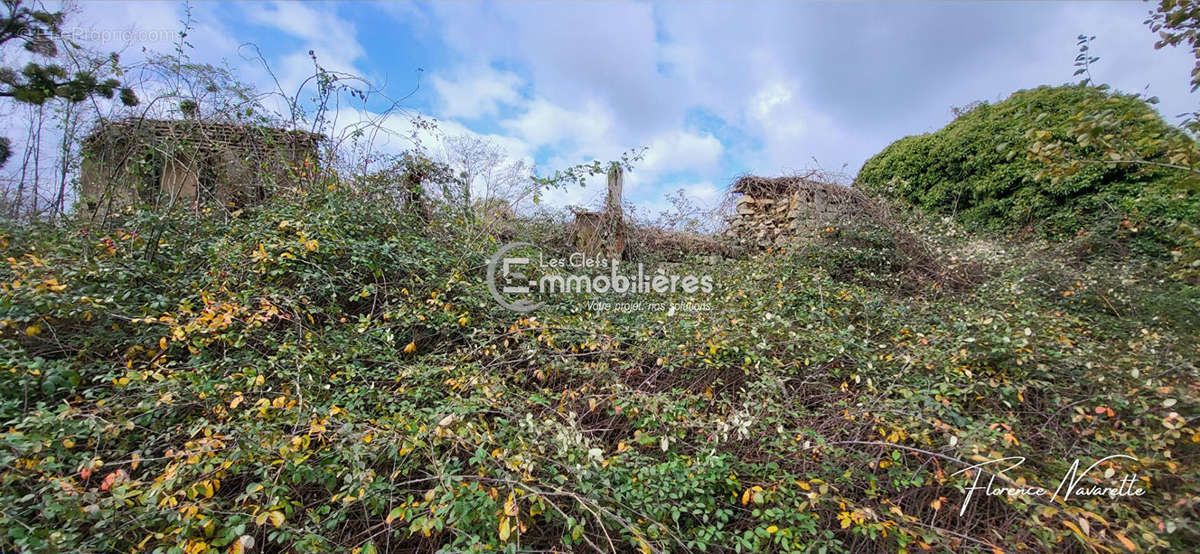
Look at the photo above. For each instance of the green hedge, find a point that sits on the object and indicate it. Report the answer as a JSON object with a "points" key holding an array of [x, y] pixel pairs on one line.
{"points": [[977, 167]]}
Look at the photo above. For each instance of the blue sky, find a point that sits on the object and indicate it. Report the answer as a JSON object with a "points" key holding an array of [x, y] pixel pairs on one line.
{"points": [[713, 89]]}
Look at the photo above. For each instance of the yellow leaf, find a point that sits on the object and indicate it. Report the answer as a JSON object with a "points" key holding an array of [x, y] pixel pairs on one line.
{"points": [[772, 529], [276, 518], [936, 504], [410, 348], [505, 530], [33, 330], [510, 506], [754, 494]]}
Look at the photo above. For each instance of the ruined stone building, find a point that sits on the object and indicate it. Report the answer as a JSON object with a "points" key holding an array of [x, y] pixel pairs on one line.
{"points": [[188, 163], [772, 211]]}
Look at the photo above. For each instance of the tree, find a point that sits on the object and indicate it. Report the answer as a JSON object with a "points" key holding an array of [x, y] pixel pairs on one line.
{"points": [[483, 164], [473, 156], [38, 32], [1178, 21]]}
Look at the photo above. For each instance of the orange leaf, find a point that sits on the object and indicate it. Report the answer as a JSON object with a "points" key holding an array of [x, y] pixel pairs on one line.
{"points": [[1125, 541]]}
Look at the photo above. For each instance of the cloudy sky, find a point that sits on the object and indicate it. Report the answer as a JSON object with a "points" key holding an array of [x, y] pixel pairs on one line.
{"points": [[713, 89]]}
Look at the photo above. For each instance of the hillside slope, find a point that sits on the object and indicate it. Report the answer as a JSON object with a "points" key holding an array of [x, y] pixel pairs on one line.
{"points": [[315, 375]]}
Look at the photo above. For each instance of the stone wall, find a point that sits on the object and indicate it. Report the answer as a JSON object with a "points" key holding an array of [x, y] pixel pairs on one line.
{"points": [[185, 162], [773, 212]]}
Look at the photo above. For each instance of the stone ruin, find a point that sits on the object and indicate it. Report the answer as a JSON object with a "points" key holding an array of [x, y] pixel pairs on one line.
{"points": [[189, 162], [773, 211]]}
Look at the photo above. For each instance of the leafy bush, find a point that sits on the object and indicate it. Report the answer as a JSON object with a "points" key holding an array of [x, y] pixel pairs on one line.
{"points": [[977, 168], [325, 373], [859, 252], [880, 251]]}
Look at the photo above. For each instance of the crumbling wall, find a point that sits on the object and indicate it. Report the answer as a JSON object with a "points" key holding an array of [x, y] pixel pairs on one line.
{"points": [[188, 162], [770, 213]]}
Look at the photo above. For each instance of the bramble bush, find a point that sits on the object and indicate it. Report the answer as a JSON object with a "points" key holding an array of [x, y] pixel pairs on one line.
{"points": [[325, 372], [987, 169]]}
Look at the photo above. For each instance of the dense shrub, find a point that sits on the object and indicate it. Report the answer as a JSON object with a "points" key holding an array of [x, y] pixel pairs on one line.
{"points": [[859, 252], [325, 374], [977, 169], [880, 250]]}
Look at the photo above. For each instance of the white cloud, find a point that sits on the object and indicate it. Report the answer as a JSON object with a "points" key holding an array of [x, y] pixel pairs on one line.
{"points": [[477, 92], [126, 28], [321, 27], [682, 151], [705, 191], [794, 135], [573, 53], [767, 100], [332, 38], [544, 123], [397, 132]]}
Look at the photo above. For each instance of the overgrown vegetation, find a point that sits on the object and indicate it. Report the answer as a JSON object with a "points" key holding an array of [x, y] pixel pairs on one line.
{"points": [[327, 370], [983, 168], [320, 373]]}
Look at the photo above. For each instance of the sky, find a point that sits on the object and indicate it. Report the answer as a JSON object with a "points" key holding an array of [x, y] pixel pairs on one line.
{"points": [[714, 90]]}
